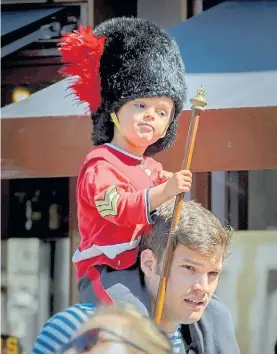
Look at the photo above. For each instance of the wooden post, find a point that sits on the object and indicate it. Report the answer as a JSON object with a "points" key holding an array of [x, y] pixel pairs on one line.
{"points": [[201, 189], [184, 10], [91, 13], [74, 239], [74, 236], [198, 104], [197, 7]]}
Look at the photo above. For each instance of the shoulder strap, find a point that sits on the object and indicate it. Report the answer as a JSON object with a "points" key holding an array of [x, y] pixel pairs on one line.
{"points": [[187, 340], [138, 178]]}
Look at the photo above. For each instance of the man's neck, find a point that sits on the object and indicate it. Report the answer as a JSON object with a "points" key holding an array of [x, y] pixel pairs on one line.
{"points": [[166, 323], [169, 326]]}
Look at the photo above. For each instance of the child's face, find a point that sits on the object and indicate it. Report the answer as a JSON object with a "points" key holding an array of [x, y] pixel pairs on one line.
{"points": [[145, 120]]}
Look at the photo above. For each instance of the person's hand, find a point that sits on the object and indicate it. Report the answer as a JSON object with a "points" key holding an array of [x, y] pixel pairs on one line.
{"points": [[180, 182], [164, 176]]}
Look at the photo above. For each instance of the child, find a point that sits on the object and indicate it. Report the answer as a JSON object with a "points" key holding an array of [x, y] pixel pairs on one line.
{"points": [[131, 74]]}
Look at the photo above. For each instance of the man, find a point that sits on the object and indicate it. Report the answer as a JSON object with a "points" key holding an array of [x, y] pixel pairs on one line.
{"points": [[200, 246], [195, 319]]}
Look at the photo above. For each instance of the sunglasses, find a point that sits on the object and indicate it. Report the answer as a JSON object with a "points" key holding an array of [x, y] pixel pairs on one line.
{"points": [[90, 338]]}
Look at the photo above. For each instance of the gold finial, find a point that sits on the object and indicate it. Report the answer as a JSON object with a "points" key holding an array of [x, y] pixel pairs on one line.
{"points": [[199, 102]]}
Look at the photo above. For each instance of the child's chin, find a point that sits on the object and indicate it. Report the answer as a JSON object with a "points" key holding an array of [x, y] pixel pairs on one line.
{"points": [[141, 142], [147, 137]]}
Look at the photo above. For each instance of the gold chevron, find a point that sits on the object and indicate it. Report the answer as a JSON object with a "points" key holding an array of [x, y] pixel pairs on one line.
{"points": [[108, 205]]}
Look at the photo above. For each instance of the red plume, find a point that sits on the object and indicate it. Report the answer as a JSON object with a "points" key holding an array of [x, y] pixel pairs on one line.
{"points": [[81, 51]]}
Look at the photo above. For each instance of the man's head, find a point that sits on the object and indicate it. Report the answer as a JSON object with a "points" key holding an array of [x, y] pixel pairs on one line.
{"points": [[200, 246]]}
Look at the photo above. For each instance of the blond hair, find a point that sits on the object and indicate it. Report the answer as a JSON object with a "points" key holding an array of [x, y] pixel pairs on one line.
{"points": [[140, 330]]}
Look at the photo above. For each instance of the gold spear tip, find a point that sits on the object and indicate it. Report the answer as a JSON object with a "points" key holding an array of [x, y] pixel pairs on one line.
{"points": [[199, 102]]}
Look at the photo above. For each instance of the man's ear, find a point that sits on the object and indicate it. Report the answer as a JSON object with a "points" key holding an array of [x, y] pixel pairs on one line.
{"points": [[148, 263]]}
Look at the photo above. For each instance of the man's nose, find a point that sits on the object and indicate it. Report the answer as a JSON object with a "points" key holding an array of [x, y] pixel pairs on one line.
{"points": [[201, 284]]}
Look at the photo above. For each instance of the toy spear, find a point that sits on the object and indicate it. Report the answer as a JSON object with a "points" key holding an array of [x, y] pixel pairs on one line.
{"points": [[198, 104]]}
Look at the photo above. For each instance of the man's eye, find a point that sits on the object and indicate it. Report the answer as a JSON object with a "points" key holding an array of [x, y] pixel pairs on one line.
{"points": [[190, 268], [214, 274]]}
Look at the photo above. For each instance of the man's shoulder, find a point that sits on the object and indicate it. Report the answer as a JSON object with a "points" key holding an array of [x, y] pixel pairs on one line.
{"points": [[217, 317], [215, 330], [61, 327], [218, 310]]}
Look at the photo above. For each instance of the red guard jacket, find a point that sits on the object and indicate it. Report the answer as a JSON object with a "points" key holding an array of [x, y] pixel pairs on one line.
{"points": [[113, 207]]}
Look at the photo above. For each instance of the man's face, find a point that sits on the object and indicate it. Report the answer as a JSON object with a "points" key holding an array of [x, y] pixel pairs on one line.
{"points": [[192, 281]]}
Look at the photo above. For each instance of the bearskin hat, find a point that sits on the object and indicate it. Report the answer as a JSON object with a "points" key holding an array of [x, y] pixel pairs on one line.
{"points": [[138, 59]]}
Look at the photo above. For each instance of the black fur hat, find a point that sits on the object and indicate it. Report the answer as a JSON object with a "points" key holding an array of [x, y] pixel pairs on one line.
{"points": [[140, 59], [123, 59]]}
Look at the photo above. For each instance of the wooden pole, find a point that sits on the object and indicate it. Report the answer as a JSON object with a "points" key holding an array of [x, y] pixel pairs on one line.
{"points": [[74, 239], [91, 13], [198, 104], [184, 10], [74, 236], [197, 7]]}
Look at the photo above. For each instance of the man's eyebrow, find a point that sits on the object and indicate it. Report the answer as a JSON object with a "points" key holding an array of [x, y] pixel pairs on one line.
{"points": [[191, 261], [199, 264]]}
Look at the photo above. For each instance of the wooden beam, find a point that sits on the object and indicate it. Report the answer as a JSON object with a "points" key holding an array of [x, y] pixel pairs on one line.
{"points": [[5, 202], [200, 191], [228, 140], [184, 10], [30, 75], [74, 239], [91, 13], [70, 2]]}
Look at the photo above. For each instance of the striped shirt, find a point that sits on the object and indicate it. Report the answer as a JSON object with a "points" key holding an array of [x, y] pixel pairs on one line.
{"points": [[62, 327], [59, 329], [176, 340]]}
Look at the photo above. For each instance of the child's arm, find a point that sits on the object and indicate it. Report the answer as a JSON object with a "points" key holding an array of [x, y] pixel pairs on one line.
{"points": [[110, 192]]}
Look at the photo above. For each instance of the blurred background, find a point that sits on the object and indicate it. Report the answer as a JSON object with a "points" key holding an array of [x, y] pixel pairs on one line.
{"points": [[227, 47]]}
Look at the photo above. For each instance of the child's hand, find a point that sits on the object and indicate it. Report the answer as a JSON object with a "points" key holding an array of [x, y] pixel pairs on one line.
{"points": [[164, 176], [180, 182]]}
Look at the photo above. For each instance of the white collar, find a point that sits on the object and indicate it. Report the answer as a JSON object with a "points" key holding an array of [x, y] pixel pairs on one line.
{"points": [[140, 158]]}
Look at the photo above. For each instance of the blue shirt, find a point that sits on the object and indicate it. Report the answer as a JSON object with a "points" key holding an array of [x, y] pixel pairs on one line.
{"points": [[62, 327], [176, 340], [59, 329]]}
